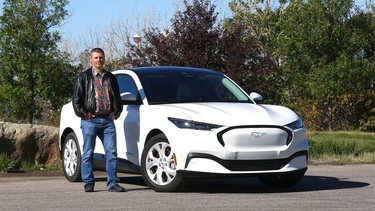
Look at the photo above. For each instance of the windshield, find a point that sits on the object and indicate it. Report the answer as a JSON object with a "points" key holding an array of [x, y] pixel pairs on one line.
{"points": [[186, 87]]}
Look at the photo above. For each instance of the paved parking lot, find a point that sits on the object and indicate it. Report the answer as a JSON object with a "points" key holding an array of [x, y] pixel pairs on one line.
{"points": [[323, 188]]}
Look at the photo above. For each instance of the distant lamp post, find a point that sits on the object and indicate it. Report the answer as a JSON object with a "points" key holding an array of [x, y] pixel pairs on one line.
{"points": [[137, 38]]}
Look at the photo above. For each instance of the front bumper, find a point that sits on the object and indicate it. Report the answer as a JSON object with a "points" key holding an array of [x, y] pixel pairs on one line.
{"points": [[237, 151], [198, 164], [299, 158]]}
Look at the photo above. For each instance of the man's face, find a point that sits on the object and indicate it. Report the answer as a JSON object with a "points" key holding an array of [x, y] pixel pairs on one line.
{"points": [[97, 60]]}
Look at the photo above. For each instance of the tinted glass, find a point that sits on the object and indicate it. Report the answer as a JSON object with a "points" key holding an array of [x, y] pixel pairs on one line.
{"points": [[183, 87], [127, 84]]}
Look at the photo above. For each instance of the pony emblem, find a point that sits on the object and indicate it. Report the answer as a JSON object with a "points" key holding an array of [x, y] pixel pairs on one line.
{"points": [[258, 134]]}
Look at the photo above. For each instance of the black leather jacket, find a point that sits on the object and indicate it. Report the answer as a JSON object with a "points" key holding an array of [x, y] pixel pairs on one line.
{"points": [[84, 95]]}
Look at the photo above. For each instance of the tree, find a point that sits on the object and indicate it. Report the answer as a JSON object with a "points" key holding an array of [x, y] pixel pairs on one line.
{"points": [[197, 39], [328, 56], [192, 41], [34, 74], [261, 20], [244, 61], [324, 51]]}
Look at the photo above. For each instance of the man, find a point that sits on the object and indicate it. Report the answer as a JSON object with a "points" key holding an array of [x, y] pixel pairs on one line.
{"points": [[96, 99]]}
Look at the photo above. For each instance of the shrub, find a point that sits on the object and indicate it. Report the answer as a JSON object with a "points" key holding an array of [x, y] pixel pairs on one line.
{"points": [[6, 163], [348, 112]]}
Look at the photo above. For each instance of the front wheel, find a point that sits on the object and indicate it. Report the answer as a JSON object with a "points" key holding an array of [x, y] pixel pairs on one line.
{"points": [[71, 158], [281, 180], [158, 165]]}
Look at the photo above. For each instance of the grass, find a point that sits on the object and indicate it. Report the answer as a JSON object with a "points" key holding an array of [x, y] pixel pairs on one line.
{"points": [[337, 148], [36, 166], [7, 164]]}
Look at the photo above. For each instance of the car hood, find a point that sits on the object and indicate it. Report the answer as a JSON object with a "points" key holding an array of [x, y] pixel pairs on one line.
{"points": [[231, 114]]}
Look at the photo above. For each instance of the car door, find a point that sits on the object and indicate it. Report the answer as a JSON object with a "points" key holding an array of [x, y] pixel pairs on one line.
{"points": [[127, 125]]}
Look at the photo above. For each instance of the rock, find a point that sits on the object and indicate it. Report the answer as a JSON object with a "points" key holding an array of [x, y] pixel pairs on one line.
{"points": [[30, 142]]}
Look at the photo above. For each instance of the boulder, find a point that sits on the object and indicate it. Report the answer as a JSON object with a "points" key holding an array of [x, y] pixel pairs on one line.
{"points": [[32, 143]]}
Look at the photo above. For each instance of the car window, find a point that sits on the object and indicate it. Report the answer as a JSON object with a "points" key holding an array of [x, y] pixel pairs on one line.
{"points": [[127, 84], [183, 87], [231, 91], [160, 88]]}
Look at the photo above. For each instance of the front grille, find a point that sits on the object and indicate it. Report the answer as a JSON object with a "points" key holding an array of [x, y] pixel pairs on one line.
{"points": [[254, 137], [253, 165]]}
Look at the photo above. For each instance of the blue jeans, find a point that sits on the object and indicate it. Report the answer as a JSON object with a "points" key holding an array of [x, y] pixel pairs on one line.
{"points": [[106, 131]]}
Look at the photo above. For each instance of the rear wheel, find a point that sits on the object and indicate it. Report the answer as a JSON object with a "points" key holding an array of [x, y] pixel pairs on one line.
{"points": [[71, 158], [281, 180], [158, 165]]}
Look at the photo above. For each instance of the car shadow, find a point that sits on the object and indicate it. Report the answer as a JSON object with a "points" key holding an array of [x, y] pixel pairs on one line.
{"points": [[130, 180], [250, 184], [253, 185]]}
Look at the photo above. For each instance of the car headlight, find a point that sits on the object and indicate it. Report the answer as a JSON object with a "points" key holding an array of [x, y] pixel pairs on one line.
{"points": [[189, 124], [295, 125]]}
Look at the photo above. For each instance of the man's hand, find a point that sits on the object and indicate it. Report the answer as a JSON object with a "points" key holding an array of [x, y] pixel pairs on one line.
{"points": [[88, 116]]}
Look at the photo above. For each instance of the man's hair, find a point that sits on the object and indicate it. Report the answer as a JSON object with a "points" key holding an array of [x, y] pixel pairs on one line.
{"points": [[97, 50]]}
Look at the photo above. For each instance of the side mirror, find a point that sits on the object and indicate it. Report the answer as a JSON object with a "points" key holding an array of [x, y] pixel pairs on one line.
{"points": [[256, 97], [129, 98]]}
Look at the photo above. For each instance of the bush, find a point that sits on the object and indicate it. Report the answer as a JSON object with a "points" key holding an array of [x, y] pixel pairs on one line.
{"points": [[349, 112]]}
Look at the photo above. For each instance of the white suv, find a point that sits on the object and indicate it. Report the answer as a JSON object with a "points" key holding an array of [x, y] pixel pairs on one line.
{"points": [[179, 122]]}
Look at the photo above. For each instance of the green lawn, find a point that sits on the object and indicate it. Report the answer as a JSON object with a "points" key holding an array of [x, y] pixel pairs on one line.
{"points": [[341, 147]]}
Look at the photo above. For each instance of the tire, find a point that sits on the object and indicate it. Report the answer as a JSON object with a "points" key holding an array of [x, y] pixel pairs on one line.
{"points": [[158, 165], [71, 158], [285, 180]]}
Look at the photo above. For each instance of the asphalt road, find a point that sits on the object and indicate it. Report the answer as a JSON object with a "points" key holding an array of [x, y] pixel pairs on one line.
{"points": [[323, 188]]}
